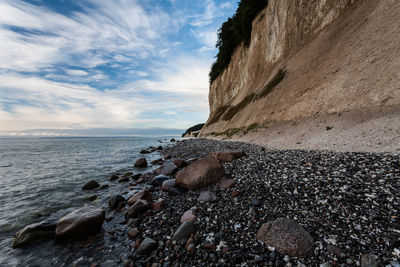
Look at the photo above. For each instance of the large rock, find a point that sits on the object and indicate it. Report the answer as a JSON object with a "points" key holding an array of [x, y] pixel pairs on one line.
{"points": [[80, 223], [189, 216], [116, 202], [146, 246], [287, 237], [184, 231], [141, 163], [40, 230], [158, 180], [201, 173], [143, 195], [91, 184], [137, 209], [228, 156], [168, 184], [169, 169]]}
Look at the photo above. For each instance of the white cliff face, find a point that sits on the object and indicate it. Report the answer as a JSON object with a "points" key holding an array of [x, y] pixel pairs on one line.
{"points": [[319, 43]]}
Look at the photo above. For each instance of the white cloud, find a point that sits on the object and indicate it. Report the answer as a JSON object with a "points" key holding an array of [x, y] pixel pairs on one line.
{"points": [[77, 72]]}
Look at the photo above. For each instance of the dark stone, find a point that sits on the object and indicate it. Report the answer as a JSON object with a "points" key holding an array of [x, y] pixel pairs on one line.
{"points": [[180, 163], [159, 205], [157, 161], [287, 237], [143, 195], [113, 177], [104, 186], [136, 176], [137, 209], [92, 197], [41, 230], [146, 246], [169, 169], [80, 223], [144, 151], [159, 148], [335, 250], [184, 231], [133, 233], [141, 163], [167, 157], [235, 193], [255, 202], [91, 184], [172, 140], [116, 202], [158, 180]]}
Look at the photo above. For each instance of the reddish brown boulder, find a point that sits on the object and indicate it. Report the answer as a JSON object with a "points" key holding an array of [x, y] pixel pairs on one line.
{"points": [[201, 173], [159, 205], [80, 223], [133, 233], [188, 216], [144, 195], [227, 183], [137, 209], [287, 237], [141, 163], [228, 156]]}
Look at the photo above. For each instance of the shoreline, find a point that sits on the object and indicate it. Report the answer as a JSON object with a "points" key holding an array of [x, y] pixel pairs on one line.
{"points": [[327, 193]]}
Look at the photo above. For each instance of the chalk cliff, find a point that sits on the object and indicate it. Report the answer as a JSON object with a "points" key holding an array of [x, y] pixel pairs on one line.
{"points": [[308, 58]]}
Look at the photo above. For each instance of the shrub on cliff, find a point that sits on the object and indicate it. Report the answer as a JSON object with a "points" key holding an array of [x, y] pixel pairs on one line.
{"points": [[233, 32]]}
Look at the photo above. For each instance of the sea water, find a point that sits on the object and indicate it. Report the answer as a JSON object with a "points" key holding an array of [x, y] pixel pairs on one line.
{"points": [[41, 178]]}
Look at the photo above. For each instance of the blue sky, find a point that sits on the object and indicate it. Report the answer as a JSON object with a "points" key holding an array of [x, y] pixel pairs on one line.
{"points": [[106, 64]]}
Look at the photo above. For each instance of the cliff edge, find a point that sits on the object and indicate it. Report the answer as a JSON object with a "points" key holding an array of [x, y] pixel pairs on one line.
{"points": [[312, 60]]}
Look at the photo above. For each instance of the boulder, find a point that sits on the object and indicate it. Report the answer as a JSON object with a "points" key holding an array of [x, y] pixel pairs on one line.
{"points": [[169, 169], [158, 180], [167, 185], [146, 246], [144, 151], [201, 173], [113, 177], [228, 156], [104, 186], [143, 195], [91, 184], [287, 237], [159, 148], [227, 183], [184, 231], [125, 177], [172, 140], [157, 161], [133, 233], [188, 216], [116, 202], [41, 230], [80, 223], [141, 163], [137, 209]]}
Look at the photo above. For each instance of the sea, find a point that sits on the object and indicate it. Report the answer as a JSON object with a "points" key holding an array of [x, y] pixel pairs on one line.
{"points": [[41, 178]]}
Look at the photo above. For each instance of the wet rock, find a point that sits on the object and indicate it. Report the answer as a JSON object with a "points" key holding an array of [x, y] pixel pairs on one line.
{"points": [[157, 162], [133, 233], [168, 184], [146, 246], [92, 197], [113, 177], [91, 184], [235, 193], [104, 186], [180, 163], [143, 195], [227, 183], [202, 173], [167, 157], [172, 140], [136, 176], [116, 202], [141, 163], [184, 231], [144, 151], [206, 196], [159, 148], [137, 209], [287, 237], [80, 223], [159, 179], [159, 205], [369, 260], [41, 230], [188, 216], [228, 156], [123, 179], [169, 169]]}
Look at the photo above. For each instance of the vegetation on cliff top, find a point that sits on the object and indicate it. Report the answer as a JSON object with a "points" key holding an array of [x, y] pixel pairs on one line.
{"points": [[195, 128], [233, 32]]}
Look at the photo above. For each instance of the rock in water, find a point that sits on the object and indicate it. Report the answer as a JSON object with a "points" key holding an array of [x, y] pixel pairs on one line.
{"points": [[141, 163], [184, 231], [201, 173], [40, 230], [80, 223], [144, 195], [146, 246], [287, 237], [113, 177], [116, 202], [91, 184], [228, 156]]}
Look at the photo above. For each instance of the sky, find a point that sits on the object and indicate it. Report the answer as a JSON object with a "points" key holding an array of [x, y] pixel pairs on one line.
{"points": [[112, 64]]}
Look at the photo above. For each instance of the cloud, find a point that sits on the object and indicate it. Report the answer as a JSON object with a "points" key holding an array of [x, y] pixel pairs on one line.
{"points": [[77, 72]]}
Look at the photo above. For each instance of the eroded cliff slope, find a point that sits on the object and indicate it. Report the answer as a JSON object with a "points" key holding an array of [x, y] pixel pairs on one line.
{"points": [[310, 58]]}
